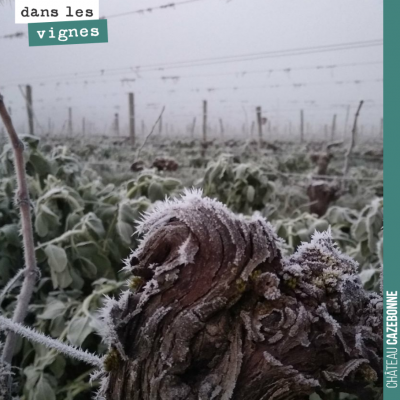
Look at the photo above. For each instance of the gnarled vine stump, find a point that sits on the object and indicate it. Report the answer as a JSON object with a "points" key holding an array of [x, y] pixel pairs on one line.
{"points": [[322, 194], [219, 314]]}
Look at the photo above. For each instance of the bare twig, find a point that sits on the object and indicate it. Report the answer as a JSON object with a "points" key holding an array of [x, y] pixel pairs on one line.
{"points": [[150, 133], [353, 135], [27, 233], [37, 337], [10, 284]]}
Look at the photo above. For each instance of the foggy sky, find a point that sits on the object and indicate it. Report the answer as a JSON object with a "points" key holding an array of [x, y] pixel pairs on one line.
{"points": [[204, 29]]}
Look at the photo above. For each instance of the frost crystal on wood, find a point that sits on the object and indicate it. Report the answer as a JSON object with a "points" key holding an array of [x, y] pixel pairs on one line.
{"points": [[219, 314]]}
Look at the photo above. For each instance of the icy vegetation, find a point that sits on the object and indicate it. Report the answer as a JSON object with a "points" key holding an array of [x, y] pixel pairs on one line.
{"points": [[233, 276]]}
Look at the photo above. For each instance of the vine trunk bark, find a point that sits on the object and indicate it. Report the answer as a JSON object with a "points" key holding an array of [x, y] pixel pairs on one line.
{"points": [[218, 313]]}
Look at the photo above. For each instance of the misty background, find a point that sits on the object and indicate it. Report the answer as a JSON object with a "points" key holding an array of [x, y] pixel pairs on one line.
{"points": [[320, 56]]}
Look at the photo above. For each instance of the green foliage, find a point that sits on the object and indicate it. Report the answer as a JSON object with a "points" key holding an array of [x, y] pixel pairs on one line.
{"points": [[242, 187], [84, 229]]}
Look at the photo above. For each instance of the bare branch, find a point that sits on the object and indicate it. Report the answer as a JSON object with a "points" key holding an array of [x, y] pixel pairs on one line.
{"points": [[37, 337], [150, 133], [10, 284], [27, 232]]}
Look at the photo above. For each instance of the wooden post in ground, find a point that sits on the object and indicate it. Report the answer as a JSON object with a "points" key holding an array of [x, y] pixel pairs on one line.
{"points": [[205, 121], [29, 107], [83, 126], [132, 118], [69, 121], [193, 127], [116, 124], [352, 142], [381, 129], [301, 126], [252, 128], [346, 122], [333, 128], [259, 124], [221, 127]]}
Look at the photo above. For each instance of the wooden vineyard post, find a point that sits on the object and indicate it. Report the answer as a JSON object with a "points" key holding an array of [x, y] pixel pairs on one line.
{"points": [[193, 127], [205, 121], [132, 119], [333, 128], [352, 141], [204, 144], [160, 126], [259, 124], [116, 124], [29, 107], [346, 122], [70, 121], [301, 126], [83, 126], [221, 126]]}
